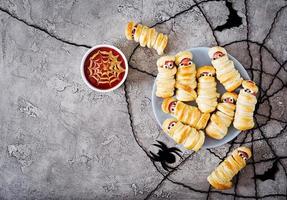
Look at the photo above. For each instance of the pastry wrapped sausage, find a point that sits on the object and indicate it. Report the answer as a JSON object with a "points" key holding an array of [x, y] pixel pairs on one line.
{"points": [[226, 73], [189, 137], [245, 106], [165, 80], [221, 120], [187, 114], [221, 177], [206, 90], [146, 36], [185, 77]]}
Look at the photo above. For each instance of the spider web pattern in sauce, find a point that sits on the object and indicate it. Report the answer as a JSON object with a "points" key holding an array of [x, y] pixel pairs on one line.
{"points": [[104, 68]]}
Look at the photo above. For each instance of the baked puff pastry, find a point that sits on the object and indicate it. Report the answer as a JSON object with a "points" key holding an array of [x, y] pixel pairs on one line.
{"points": [[185, 77], [206, 90], [185, 113], [146, 36], [221, 177], [165, 80], [221, 120], [245, 106], [189, 137], [226, 73]]}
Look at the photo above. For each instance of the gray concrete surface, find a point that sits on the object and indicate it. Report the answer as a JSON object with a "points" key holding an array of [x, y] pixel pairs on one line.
{"points": [[61, 140]]}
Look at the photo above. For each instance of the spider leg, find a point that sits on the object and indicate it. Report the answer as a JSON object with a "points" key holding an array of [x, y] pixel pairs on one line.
{"points": [[178, 154], [159, 146], [166, 167], [154, 157], [175, 150], [163, 146]]}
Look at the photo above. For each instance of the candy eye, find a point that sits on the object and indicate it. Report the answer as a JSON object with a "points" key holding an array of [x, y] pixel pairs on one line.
{"points": [[170, 65], [165, 66], [134, 30], [231, 100], [190, 62], [180, 64], [247, 90], [243, 155], [172, 109], [172, 124], [217, 54], [224, 100]]}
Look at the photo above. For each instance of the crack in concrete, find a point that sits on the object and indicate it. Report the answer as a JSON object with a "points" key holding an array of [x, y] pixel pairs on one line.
{"points": [[208, 22], [35, 26]]}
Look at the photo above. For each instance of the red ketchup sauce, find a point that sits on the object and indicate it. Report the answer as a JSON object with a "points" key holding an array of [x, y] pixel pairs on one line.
{"points": [[104, 68]]}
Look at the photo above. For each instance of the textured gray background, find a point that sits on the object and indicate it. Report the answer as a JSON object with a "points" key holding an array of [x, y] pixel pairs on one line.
{"points": [[59, 139]]}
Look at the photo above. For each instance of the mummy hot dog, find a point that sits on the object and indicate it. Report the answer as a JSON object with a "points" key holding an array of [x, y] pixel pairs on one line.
{"points": [[146, 36], [245, 106], [225, 70], [189, 137], [185, 77], [165, 80], [206, 90], [185, 113], [220, 121], [221, 177]]}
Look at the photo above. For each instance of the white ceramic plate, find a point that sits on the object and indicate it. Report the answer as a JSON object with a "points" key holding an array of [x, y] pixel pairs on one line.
{"points": [[200, 58]]}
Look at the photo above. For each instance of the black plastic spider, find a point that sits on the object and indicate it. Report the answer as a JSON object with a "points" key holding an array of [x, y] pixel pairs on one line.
{"points": [[165, 155]]}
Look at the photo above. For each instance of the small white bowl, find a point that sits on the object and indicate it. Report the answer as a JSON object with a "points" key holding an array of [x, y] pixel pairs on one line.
{"points": [[83, 68]]}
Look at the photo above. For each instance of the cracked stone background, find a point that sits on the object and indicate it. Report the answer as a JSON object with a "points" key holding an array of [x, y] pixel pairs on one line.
{"points": [[61, 140]]}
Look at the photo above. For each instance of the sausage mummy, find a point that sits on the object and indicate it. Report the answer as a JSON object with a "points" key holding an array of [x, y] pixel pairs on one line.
{"points": [[206, 90], [189, 137], [226, 73], [220, 121], [146, 36], [221, 177], [185, 113], [165, 80], [245, 106], [185, 77]]}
